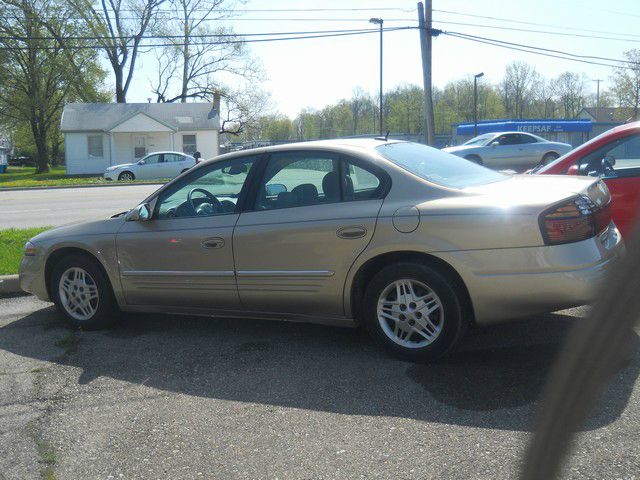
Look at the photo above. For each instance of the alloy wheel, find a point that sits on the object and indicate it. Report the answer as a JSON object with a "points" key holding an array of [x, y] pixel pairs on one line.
{"points": [[78, 293], [410, 313]]}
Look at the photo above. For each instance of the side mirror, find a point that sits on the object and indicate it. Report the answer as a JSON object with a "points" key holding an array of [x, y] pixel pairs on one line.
{"points": [[609, 161], [573, 170], [235, 169], [141, 162], [141, 213], [273, 189], [495, 143]]}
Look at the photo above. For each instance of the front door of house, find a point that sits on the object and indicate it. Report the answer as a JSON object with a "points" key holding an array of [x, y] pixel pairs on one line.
{"points": [[139, 146]]}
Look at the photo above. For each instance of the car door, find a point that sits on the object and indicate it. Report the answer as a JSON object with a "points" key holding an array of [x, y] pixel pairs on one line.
{"points": [[313, 213], [171, 166], [183, 255], [503, 152], [531, 150], [622, 177], [151, 167]]}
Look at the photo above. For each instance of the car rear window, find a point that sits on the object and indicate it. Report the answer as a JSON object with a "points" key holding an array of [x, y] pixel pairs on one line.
{"points": [[437, 166]]}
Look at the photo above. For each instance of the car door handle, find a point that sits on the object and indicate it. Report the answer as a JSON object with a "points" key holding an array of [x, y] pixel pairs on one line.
{"points": [[351, 232], [215, 242]]}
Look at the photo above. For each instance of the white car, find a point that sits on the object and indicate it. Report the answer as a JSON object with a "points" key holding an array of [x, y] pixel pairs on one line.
{"points": [[515, 150], [153, 166]]}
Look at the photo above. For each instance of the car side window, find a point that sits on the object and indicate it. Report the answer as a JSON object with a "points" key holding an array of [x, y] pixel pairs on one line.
{"points": [[152, 160], [172, 158], [213, 190], [296, 179], [359, 183], [523, 138], [619, 158], [503, 140]]}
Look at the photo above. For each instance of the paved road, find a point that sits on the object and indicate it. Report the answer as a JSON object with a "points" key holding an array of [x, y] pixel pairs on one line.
{"points": [[183, 397], [39, 208]]}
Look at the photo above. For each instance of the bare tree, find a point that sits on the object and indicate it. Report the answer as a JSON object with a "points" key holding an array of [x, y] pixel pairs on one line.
{"points": [[570, 89], [118, 27], [516, 86], [241, 109], [202, 48]]}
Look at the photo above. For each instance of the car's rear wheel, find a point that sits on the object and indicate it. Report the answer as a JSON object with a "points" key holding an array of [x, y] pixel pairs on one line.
{"points": [[126, 177], [413, 311], [82, 293], [549, 157], [474, 159]]}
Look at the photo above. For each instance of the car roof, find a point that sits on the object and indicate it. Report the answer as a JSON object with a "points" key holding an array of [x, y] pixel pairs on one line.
{"points": [[168, 151], [353, 144]]}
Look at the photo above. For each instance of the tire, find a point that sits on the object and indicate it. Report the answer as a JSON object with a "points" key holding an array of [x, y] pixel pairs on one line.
{"points": [[548, 158], [474, 159], [446, 321], [126, 177], [83, 278]]}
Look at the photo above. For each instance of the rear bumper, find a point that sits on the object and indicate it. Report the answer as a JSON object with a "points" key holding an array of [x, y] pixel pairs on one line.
{"points": [[511, 283]]}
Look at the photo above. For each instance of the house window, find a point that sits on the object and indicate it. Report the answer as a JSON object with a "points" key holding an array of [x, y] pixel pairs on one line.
{"points": [[95, 146], [139, 146], [189, 144]]}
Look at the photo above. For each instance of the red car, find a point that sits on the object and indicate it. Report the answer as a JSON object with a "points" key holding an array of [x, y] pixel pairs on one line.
{"points": [[614, 156]]}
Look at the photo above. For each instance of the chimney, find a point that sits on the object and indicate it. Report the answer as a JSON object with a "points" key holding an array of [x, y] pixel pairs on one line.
{"points": [[216, 102]]}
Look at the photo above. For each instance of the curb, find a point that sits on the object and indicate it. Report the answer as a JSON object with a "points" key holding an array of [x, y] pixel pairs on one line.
{"points": [[59, 187], [10, 284]]}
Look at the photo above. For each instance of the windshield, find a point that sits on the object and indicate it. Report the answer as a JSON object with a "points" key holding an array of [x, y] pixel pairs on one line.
{"points": [[480, 139], [437, 166]]}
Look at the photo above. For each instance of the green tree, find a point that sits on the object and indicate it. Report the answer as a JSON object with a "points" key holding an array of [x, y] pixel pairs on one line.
{"points": [[37, 76], [626, 83]]}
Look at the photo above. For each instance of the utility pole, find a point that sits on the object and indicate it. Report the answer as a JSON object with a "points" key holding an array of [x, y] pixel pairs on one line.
{"points": [[475, 102], [425, 15], [379, 21], [597, 80]]}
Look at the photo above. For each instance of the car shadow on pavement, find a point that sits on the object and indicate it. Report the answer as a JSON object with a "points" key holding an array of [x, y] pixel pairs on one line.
{"points": [[492, 380]]}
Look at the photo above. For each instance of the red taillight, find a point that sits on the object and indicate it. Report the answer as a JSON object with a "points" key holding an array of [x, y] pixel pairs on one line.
{"points": [[575, 220]]}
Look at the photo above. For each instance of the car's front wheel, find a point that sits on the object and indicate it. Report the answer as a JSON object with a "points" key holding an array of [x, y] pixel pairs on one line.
{"points": [[413, 311], [126, 177], [82, 293]]}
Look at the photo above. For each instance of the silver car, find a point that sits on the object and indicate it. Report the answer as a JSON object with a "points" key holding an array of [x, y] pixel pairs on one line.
{"points": [[412, 242], [154, 166], [510, 150]]}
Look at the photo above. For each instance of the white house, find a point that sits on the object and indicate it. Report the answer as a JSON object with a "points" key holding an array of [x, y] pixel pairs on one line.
{"points": [[5, 150], [97, 135]]}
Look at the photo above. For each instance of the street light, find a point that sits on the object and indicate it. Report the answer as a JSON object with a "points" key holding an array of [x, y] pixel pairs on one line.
{"points": [[475, 102], [379, 21]]}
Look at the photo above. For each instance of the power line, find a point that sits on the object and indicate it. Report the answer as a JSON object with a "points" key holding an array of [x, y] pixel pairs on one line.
{"points": [[548, 49], [546, 32], [528, 49], [522, 22], [207, 35], [221, 42]]}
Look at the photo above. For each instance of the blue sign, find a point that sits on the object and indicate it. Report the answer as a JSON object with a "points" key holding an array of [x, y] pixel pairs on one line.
{"points": [[529, 126]]}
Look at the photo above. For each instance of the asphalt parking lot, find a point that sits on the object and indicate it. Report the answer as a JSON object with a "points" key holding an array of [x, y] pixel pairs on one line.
{"points": [[173, 397]]}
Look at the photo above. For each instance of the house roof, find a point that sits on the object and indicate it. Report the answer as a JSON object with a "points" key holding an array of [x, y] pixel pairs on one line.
{"points": [[91, 117], [605, 114]]}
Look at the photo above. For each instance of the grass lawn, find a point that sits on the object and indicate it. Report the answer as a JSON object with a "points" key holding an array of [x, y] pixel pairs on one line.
{"points": [[27, 177], [11, 244]]}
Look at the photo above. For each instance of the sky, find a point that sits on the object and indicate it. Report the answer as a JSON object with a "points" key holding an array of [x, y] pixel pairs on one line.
{"points": [[313, 73]]}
